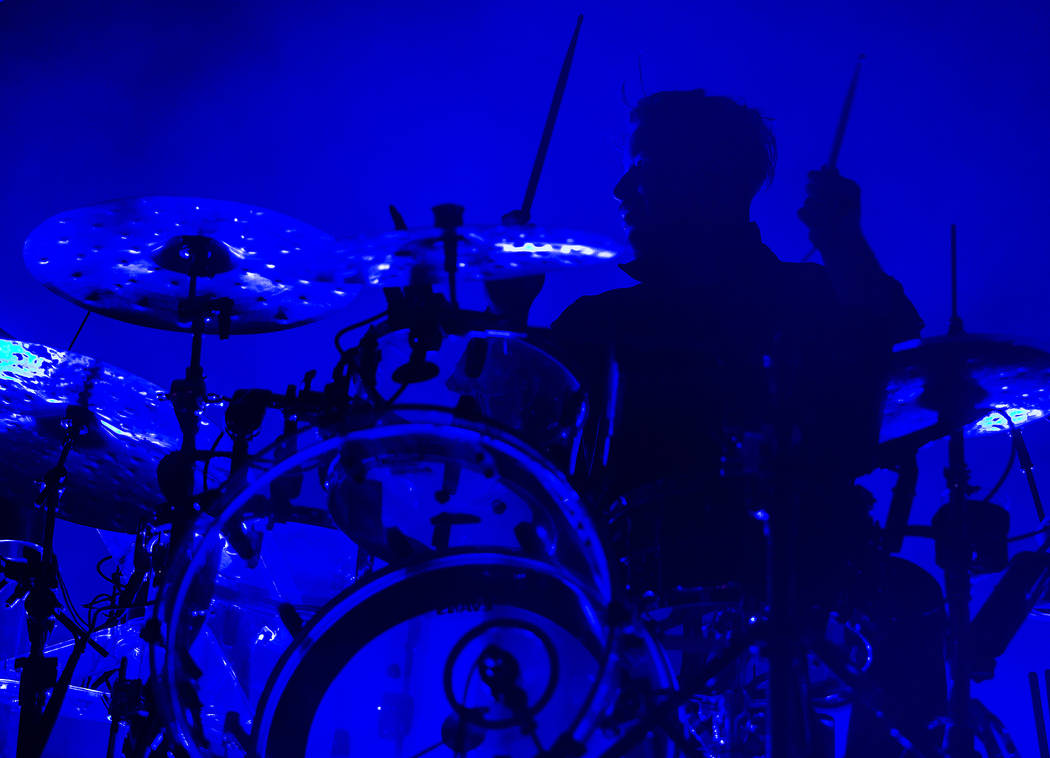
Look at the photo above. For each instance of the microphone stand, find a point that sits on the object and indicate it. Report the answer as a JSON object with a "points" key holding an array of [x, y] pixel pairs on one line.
{"points": [[789, 733]]}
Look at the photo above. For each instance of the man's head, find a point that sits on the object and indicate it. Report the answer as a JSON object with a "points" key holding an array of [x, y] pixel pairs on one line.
{"points": [[696, 160]]}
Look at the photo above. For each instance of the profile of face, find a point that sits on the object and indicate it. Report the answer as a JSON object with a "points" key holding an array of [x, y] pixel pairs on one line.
{"points": [[664, 191], [659, 192], [694, 161]]}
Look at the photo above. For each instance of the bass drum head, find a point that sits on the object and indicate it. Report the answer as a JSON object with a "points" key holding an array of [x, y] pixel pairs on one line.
{"points": [[481, 654], [305, 530]]}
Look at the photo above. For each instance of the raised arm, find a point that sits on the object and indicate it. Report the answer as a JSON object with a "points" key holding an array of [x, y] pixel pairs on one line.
{"points": [[832, 213]]}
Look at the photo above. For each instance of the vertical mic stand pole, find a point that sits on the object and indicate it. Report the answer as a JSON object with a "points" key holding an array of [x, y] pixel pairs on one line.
{"points": [[957, 548], [788, 735], [956, 569]]}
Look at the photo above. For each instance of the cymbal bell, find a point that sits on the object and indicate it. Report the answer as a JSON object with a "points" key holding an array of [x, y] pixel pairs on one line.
{"points": [[132, 260]]}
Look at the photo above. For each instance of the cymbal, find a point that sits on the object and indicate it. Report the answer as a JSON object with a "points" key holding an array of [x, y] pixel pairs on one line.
{"points": [[482, 252], [111, 481], [129, 259], [999, 378]]}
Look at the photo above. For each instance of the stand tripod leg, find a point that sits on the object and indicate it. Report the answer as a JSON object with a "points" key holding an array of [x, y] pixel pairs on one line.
{"points": [[956, 566], [1040, 718], [39, 672]]}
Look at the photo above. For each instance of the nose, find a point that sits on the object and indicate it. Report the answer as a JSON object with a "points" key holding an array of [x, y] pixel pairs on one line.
{"points": [[628, 182]]}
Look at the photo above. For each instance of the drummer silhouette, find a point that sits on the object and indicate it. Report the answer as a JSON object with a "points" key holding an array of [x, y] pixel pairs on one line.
{"points": [[693, 344]]}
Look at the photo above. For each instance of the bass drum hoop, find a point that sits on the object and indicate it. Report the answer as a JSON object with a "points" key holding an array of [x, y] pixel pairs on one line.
{"points": [[281, 723]]}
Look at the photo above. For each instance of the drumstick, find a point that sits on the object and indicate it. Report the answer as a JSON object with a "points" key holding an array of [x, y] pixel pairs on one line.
{"points": [[847, 105], [548, 127], [840, 128]]}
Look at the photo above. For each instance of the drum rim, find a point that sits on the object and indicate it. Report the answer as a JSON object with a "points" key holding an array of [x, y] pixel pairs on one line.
{"points": [[387, 578]]}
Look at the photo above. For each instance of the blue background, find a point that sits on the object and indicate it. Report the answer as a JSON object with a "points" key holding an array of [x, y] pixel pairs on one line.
{"points": [[329, 111]]}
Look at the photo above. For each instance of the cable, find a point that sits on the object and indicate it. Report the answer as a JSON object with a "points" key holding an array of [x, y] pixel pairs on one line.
{"points": [[1026, 535], [397, 393], [207, 462], [77, 334], [98, 570], [73, 612], [131, 606], [1006, 472], [347, 329], [426, 750]]}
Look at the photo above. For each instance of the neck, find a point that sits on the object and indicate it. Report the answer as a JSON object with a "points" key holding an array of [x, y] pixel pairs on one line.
{"points": [[716, 253]]}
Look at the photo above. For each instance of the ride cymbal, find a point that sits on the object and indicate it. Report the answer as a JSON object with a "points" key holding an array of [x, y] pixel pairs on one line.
{"points": [[481, 252], [131, 260]]}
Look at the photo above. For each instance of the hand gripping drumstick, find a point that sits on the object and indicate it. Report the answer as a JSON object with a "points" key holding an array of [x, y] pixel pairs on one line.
{"points": [[840, 129]]}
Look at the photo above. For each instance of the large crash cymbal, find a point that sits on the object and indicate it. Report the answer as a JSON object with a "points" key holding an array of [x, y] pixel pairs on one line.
{"points": [[984, 378], [112, 479], [482, 252], [129, 259]]}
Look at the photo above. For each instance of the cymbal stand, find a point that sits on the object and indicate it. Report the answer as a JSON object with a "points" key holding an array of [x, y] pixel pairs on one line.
{"points": [[448, 217], [426, 314], [40, 672], [959, 528], [956, 567], [195, 256]]}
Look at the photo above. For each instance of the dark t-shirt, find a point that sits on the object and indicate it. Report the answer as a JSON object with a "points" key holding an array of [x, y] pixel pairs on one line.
{"points": [[706, 376]]}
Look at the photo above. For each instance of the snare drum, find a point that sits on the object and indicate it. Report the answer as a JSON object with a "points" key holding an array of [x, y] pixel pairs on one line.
{"points": [[429, 587]]}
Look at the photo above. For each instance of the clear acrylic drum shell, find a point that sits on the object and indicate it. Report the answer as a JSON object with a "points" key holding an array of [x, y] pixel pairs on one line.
{"points": [[513, 382], [211, 581]]}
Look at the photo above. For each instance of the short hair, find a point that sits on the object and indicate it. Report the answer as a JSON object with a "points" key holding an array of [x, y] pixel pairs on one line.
{"points": [[722, 134]]}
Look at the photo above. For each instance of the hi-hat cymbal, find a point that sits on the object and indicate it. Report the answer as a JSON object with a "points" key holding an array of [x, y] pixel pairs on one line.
{"points": [[112, 480], [129, 259], [984, 378], [482, 252]]}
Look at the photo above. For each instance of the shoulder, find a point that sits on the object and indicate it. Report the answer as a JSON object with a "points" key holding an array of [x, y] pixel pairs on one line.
{"points": [[595, 315], [809, 278]]}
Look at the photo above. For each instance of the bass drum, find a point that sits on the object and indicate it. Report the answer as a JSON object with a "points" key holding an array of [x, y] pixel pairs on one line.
{"points": [[406, 589]]}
